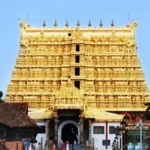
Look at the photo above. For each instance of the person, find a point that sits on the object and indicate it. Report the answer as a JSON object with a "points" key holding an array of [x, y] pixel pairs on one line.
{"points": [[34, 147], [63, 146], [60, 144], [46, 146], [73, 137], [39, 146], [51, 145]]}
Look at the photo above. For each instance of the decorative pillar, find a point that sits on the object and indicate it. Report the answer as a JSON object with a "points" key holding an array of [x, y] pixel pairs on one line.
{"points": [[81, 127], [90, 135], [47, 130], [56, 129]]}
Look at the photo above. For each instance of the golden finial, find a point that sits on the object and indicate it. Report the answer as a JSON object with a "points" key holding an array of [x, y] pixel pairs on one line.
{"points": [[66, 23], [44, 24], [112, 23], [101, 24], [55, 24], [78, 23], [89, 24]]}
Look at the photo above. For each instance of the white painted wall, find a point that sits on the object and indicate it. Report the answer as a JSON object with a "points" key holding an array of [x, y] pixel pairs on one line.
{"points": [[41, 135], [98, 138]]}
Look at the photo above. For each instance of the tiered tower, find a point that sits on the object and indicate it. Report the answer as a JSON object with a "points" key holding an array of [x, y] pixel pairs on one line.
{"points": [[76, 78], [102, 63]]}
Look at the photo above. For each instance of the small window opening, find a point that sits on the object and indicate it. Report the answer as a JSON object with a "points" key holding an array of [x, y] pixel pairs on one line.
{"points": [[147, 117], [98, 129], [77, 48], [77, 71], [77, 84], [69, 34], [77, 59], [41, 129]]}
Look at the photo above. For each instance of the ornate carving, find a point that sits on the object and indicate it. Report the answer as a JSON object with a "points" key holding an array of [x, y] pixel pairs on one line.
{"points": [[77, 34], [110, 72], [69, 95]]}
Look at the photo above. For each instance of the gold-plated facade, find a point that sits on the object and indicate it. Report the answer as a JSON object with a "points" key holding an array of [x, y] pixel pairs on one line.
{"points": [[78, 67]]}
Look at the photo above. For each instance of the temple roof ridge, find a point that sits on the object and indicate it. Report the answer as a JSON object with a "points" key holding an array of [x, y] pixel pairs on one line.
{"points": [[24, 25]]}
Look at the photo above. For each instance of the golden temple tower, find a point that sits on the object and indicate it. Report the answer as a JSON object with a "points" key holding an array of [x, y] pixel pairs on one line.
{"points": [[93, 70], [101, 62]]}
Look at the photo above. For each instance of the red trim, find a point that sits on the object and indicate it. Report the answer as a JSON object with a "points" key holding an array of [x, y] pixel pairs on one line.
{"points": [[106, 133]]}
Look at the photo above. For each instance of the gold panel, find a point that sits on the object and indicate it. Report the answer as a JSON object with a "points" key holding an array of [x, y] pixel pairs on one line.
{"points": [[109, 72]]}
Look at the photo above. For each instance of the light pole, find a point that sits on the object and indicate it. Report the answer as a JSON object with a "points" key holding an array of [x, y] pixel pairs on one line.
{"points": [[140, 126], [124, 124], [116, 144]]}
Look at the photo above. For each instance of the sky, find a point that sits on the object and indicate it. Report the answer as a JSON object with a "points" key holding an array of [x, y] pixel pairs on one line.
{"points": [[34, 12]]}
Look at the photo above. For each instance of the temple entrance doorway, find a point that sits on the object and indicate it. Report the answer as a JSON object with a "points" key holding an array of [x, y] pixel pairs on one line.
{"points": [[70, 133], [69, 130]]}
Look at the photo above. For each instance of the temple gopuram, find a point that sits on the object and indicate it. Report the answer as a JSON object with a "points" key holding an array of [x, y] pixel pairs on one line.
{"points": [[79, 82]]}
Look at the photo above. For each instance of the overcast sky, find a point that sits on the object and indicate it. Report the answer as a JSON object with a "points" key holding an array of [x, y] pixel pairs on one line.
{"points": [[34, 12]]}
